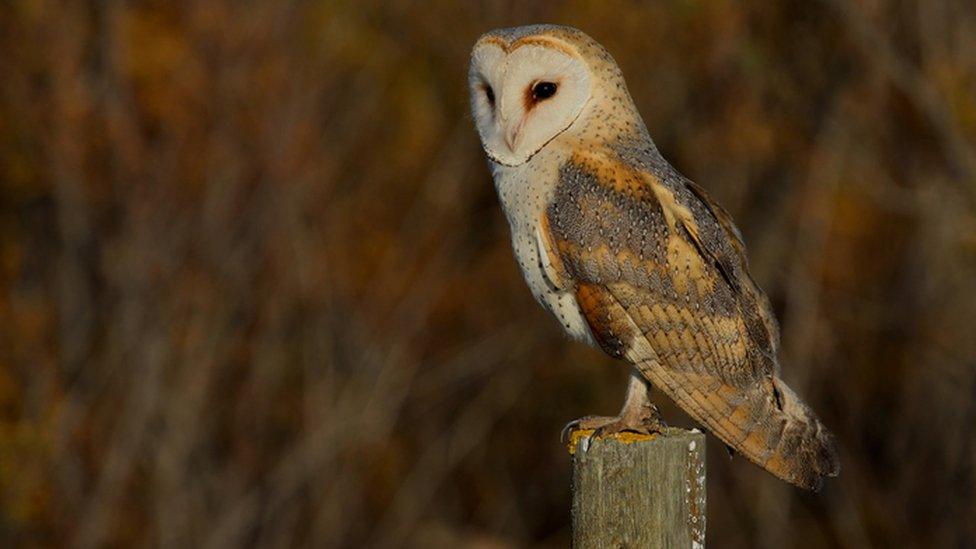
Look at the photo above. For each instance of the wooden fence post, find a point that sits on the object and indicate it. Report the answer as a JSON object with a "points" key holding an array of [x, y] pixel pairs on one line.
{"points": [[639, 491]]}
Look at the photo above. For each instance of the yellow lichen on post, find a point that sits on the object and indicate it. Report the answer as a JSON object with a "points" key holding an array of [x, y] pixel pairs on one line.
{"points": [[626, 437]]}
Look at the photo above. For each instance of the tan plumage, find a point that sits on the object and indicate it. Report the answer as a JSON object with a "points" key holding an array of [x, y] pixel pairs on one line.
{"points": [[634, 257]]}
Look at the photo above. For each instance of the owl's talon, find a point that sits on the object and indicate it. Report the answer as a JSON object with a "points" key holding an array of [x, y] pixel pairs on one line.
{"points": [[567, 431], [644, 420], [647, 422], [587, 423]]}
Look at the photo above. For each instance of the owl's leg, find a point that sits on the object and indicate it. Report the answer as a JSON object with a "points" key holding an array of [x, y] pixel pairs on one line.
{"points": [[638, 414]]}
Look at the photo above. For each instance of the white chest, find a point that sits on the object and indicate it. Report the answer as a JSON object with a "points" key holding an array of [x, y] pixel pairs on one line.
{"points": [[525, 192]]}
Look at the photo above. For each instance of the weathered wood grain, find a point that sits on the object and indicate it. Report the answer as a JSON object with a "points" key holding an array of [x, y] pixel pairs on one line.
{"points": [[639, 491]]}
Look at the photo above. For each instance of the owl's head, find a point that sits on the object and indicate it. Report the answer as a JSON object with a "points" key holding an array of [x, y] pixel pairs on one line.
{"points": [[531, 84]]}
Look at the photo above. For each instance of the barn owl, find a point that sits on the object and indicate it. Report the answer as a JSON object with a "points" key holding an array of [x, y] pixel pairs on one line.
{"points": [[631, 256]]}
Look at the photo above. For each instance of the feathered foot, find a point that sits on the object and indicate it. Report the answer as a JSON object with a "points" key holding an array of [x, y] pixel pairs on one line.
{"points": [[638, 415]]}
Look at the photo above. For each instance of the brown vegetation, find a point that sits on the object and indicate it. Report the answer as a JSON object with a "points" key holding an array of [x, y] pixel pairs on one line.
{"points": [[256, 289]]}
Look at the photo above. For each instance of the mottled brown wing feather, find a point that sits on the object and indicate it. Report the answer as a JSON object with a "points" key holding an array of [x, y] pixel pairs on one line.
{"points": [[612, 224], [647, 271], [762, 419], [722, 217]]}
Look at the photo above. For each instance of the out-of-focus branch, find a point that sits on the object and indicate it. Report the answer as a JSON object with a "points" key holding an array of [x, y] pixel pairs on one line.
{"points": [[958, 149]]}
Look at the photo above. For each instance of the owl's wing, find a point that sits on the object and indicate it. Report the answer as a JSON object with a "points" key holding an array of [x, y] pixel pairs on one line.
{"points": [[722, 216], [612, 223], [660, 283], [731, 232]]}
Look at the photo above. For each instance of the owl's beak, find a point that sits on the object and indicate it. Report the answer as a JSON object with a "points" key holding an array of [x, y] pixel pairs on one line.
{"points": [[513, 134]]}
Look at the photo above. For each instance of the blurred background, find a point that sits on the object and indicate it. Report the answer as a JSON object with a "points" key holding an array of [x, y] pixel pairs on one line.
{"points": [[256, 288]]}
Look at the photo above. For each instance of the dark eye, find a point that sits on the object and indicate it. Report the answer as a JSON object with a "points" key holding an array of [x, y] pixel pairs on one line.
{"points": [[543, 90], [490, 94]]}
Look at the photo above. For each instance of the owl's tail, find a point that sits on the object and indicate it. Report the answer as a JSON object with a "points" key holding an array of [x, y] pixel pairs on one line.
{"points": [[764, 421]]}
